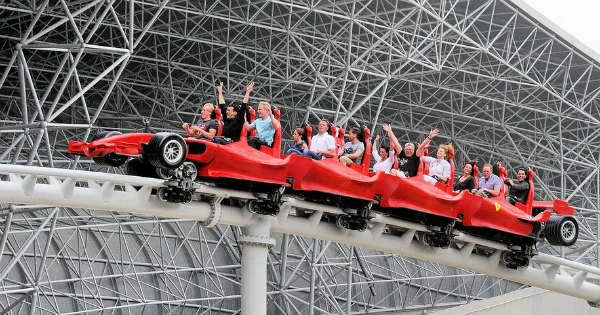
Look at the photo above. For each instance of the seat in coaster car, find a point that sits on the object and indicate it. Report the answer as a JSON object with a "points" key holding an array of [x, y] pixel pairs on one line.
{"points": [[396, 153], [252, 114], [503, 173], [274, 151], [450, 183], [528, 206], [341, 133], [475, 175], [334, 133], [219, 118], [423, 167], [339, 140], [308, 134]]}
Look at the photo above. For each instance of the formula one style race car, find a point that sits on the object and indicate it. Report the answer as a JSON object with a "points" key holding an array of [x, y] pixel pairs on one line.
{"points": [[267, 174]]}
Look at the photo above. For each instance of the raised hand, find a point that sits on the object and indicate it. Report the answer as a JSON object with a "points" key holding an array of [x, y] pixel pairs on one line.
{"points": [[377, 138], [220, 88], [433, 133], [250, 87], [386, 127]]}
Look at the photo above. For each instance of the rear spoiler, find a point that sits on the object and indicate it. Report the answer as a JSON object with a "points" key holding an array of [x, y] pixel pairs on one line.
{"points": [[559, 206]]}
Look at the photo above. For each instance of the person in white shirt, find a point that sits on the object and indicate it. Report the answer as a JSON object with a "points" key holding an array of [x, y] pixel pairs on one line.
{"points": [[322, 145], [439, 167], [384, 157]]}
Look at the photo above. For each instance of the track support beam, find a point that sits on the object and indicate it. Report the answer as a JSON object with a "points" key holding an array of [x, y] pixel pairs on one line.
{"points": [[255, 245]]}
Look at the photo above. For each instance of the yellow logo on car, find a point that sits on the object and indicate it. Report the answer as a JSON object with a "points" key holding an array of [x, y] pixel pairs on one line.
{"points": [[497, 206]]}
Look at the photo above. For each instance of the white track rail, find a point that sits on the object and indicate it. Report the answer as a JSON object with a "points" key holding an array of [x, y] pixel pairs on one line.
{"points": [[131, 194]]}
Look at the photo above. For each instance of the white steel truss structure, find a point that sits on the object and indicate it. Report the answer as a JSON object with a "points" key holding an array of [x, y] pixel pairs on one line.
{"points": [[497, 83]]}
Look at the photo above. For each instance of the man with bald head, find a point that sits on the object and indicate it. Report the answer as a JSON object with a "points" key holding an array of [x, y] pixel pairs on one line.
{"points": [[322, 145]]}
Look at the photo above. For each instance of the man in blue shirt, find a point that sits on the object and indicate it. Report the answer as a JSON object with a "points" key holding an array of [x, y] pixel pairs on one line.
{"points": [[265, 126], [489, 184]]}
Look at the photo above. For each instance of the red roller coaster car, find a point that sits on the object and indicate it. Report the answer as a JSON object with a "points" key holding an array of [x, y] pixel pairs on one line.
{"points": [[168, 155]]}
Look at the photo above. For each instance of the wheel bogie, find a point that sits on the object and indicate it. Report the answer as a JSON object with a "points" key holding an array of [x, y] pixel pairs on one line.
{"points": [[515, 259], [171, 194]]}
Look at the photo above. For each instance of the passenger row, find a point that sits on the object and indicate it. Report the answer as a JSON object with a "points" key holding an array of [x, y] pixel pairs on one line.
{"points": [[393, 159]]}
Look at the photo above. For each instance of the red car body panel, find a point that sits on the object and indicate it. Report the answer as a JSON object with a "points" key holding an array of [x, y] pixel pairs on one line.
{"points": [[496, 213], [126, 144], [238, 161], [330, 176], [415, 193]]}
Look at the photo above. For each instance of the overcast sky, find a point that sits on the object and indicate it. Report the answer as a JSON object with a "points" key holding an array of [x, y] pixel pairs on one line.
{"points": [[580, 18]]}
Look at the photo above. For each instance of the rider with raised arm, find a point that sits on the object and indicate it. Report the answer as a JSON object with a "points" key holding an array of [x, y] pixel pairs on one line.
{"points": [[235, 113], [408, 160], [384, 157], [439, 168]]}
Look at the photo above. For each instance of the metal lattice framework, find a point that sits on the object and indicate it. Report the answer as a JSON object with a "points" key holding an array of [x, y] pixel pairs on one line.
{"points": [[495, 82]]}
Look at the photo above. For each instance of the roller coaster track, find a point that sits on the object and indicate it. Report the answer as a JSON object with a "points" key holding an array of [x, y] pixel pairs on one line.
{"points": [[100, 191]]}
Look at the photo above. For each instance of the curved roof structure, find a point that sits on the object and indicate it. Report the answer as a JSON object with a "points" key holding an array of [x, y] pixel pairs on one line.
{"points": [[499, 85]]}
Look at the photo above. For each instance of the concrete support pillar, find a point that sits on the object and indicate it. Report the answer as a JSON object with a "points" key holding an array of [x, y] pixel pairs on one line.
{"points": [[255, 248]]}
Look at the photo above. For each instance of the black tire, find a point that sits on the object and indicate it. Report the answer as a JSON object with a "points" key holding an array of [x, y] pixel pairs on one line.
{"points": [[166, 150], [111, 159], [561, 230]]}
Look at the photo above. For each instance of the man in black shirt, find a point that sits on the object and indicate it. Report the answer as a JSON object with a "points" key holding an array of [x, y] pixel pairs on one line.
{"points": [[234, 114], [408, 160], [207, 127], [518, 190]]}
